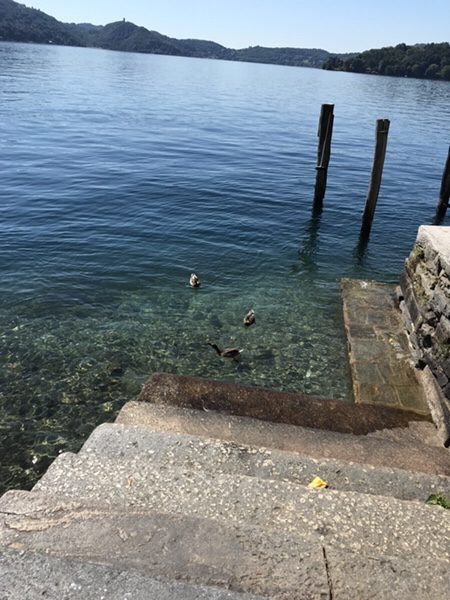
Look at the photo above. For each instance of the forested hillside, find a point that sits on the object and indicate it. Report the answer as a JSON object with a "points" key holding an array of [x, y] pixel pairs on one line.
{"points": [[429, 61], [21, 24]]}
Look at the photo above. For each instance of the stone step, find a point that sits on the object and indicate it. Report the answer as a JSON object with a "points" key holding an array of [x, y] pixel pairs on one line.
{"points": [[274, 406], [26, 576], [195, 549], [375, 526], [165, 449], [370, 449], [86, 548]]}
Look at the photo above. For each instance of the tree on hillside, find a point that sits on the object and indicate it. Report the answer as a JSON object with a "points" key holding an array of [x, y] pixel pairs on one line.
{"points": [[430, 61]]}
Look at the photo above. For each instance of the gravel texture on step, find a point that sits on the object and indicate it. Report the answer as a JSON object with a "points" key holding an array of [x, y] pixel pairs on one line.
{"points": [[136, 545], [235, 556], [363, 449], [26, 576], [357, 577], [121, 441], [373, 525]]}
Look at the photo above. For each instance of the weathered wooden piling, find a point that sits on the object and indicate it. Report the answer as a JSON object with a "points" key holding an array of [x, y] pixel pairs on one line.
{"points": [[381, 135], [444, 193], [324, 134]]}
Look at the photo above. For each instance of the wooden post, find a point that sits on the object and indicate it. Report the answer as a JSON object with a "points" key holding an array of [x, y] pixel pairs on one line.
{"points": [[323, 154], [381, 135], [444, 194]]}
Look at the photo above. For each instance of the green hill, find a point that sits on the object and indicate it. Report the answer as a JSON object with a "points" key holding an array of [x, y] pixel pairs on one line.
{"points": [[425, 61], [19, 23], [128, 37], [296, 57]]}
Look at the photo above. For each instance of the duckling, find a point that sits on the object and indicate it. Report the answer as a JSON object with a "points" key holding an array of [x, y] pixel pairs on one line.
{"points": [[194, 281], [226, 352], [249, 318]]}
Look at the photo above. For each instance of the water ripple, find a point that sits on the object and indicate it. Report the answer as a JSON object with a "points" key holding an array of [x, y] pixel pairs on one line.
{"points": [[121, 178]]}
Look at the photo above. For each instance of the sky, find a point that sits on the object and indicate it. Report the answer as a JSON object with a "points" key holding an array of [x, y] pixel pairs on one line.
{"points": [[334, 25]]}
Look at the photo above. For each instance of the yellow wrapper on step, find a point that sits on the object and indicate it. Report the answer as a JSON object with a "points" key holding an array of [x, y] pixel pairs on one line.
{"points": [[317, 484]]}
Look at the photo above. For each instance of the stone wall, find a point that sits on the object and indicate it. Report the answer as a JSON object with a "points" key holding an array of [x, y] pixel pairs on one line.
{"points": [[425, 304]]}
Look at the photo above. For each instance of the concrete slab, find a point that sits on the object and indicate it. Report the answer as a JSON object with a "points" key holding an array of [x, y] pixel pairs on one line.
{"points": [[376, 449], [274, 406], [238, 557], [115, 441], [28, 576], [33, 576], [381, 362], [374, 526], [353, 576]]}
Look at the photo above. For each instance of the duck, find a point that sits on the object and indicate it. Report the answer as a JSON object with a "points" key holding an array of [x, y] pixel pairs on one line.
{"points": [[194, 281], [249, 318], [226, 352]]}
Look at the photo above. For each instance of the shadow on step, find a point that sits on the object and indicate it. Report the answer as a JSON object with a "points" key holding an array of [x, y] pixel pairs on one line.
{"points": [[274, 406]]}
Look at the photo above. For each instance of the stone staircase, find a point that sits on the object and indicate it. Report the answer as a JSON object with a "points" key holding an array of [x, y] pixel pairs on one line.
{"points": [[199, 491]]}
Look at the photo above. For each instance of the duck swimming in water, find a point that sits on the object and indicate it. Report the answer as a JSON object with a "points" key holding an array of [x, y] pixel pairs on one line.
{"points": [[194, 281], [249, 318], [226, 352]]}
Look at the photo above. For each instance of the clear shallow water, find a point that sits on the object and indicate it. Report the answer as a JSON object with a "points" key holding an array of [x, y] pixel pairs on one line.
{"points": [[122, 173]]}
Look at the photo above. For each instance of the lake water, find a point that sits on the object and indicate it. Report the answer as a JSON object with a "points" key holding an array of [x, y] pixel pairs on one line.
{"points": [[122, 173]]}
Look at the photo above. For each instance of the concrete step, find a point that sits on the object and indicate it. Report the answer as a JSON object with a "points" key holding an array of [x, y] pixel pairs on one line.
{"points": [[375, 526], [27, 576], [170, 546], [69, 539], [165, 449], [371, 449], [274, 406], [417, 433]]}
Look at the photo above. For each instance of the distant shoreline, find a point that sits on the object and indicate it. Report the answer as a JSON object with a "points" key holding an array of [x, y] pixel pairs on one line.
{"points": [[219, 59], [21, 24]]}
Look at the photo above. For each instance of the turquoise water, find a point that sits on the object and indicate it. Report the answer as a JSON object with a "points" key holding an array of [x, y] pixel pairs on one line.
{"points": [[122, 173]]}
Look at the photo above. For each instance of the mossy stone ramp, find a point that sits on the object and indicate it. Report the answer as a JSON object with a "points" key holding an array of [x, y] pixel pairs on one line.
{"points": [[381, 362]]}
